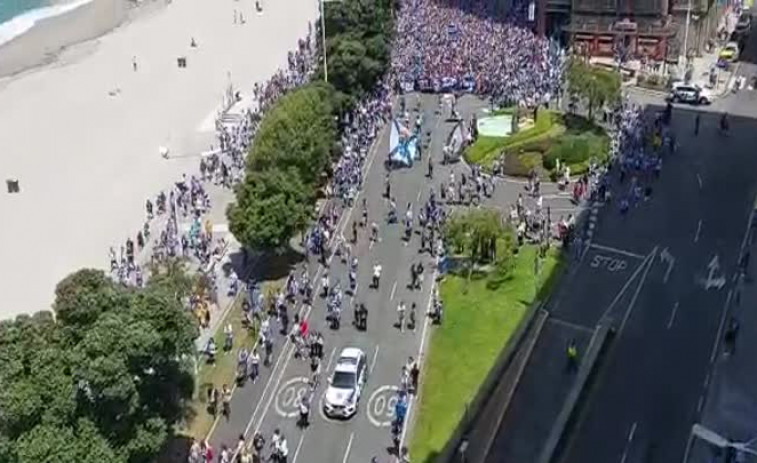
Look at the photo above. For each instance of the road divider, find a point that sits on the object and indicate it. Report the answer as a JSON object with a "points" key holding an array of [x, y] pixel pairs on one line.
{"points": [[567, 417]]}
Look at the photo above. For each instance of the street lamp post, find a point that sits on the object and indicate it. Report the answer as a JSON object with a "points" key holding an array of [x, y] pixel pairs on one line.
{"points": [[710, 436], [323, 37], [686, 33]]}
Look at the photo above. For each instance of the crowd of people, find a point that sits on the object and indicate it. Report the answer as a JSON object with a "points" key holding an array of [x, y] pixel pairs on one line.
{"points": [[445, 47], [638, 147]]}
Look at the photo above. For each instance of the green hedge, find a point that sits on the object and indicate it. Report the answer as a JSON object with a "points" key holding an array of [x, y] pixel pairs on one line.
{"points": [[575, 149]]}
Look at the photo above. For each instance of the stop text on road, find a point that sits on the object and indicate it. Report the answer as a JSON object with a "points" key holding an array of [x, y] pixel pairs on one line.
{"points": [[611, 264]]}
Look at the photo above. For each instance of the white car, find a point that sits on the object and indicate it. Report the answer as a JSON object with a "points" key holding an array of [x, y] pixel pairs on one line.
{"points": [[689, 93], [346, 384]]}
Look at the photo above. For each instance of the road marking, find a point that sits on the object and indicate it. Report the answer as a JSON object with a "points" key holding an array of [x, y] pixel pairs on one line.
{"points": [[349, 447], [617, 251], [419, 356], [706, 381], [417, 198], [699, 230], [286, 352], [628, 443], [666, 256], [722, 325], [570, 325], [608, 263], [331, 359], [699, 179], [700, 404], [381, 404], [375, 357], [394, 288], [673, 315], [626, 286], [299, 446], [712, 280], [289, 396], [636, 294]]}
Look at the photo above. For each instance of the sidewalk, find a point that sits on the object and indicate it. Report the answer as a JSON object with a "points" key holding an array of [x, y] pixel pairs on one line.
{"points": [[730, 403]]}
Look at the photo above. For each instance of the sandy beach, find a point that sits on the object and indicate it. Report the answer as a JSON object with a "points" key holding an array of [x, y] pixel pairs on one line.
{"points": [[82, 132]]}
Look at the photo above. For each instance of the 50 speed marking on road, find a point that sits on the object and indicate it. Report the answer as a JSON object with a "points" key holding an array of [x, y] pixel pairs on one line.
{"points": [[381, 405], [290, 395]]}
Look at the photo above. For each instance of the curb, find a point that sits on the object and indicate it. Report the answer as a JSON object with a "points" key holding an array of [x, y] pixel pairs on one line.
{"points": [[591, 225], [504, 360], [541, 320], [557, 435]]}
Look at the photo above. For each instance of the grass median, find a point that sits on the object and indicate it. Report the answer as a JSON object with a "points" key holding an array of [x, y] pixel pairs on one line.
{"points": [[223, 371], [480, 318]]}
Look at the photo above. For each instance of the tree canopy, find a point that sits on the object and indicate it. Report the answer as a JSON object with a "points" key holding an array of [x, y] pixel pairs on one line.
{"points": [[102, 381], [594, 85], [358, 41], [482, 236], [286, 165]]}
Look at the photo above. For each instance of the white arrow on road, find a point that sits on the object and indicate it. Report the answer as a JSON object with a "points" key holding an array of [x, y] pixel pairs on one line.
{"points": [[666, 256], [713, 280]]}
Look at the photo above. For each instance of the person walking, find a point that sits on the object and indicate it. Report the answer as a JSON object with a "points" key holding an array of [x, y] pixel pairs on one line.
{"points": [[696, 124], [572, 353], [226, 399]]}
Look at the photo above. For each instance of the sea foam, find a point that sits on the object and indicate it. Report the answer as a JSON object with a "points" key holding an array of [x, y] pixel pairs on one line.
{"points": [[17, 25]]}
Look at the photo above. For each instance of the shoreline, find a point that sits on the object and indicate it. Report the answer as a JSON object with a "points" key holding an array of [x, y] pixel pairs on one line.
{"points": [[82, 135], [51, 37]]}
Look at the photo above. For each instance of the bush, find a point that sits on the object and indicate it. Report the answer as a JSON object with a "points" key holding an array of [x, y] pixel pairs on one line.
{"points": [[576, 149]]}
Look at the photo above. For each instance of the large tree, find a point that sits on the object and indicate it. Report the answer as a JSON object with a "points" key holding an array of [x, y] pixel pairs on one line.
{"points": [[358, 39], [271, 207], [103, 381], [593, 85], [287, 164]]}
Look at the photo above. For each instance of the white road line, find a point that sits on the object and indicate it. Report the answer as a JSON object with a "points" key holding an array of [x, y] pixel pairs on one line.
{"points": [[287, 353], [394, 289], [418, 198], [628, 443], [720, 328], [625, 286], [700, 404], [419, 356], [699, 179], [349, 447], [746, 232], [636, 294], [331, 359], [699, 230], [673, 315], [299, 446], [617, 251], [373, 362], [688, 448]]}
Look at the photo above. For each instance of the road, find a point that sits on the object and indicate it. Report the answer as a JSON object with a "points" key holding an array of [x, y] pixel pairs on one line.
{"points": [[651, 386], [271, 403]]}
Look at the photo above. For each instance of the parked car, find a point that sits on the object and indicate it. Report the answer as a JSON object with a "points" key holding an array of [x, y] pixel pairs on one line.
{"points": [[730, 52], [346, 384], [689, 93]]}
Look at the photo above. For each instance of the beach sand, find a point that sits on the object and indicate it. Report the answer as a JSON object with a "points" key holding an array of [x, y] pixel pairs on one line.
{"points": [[82, 133]]}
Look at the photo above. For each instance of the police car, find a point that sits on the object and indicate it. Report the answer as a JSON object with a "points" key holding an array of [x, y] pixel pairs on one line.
{"points": [[346, 384], [689, 93]]}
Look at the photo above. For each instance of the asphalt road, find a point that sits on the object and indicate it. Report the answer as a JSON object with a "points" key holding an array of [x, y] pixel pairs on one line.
{"points": [[271, 403], [651, 387]]}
